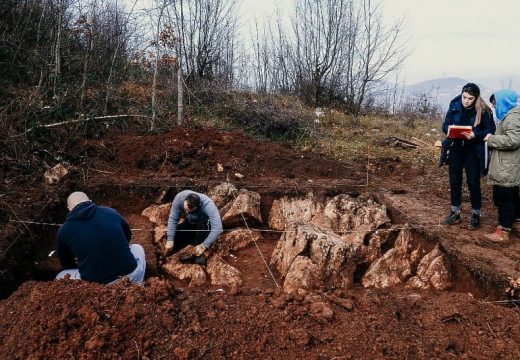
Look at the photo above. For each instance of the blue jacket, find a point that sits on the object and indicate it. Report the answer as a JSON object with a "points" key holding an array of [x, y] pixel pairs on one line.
{"points": [[95, 240], [506, 100], [486, 126]]}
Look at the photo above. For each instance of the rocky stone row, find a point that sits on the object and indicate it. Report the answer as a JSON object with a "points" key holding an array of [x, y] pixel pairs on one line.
{"points": [[234, 206], [327, 243]]}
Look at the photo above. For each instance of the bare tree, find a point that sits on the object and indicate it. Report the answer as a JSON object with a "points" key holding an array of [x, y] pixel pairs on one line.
{"points": [[284, 73], [319, 30], [262, 58], [87, 28], [380, 50], [121, 43], [157, 54], [208, 32], [57, 48], [335, 50], [100, 30]]}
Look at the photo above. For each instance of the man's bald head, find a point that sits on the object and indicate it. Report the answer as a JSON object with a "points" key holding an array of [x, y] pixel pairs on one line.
{"points": [[76, 198]]}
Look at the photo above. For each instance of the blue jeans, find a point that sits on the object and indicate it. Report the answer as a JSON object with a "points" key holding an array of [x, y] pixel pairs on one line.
{"points": [[464, 156], [136, 276]]}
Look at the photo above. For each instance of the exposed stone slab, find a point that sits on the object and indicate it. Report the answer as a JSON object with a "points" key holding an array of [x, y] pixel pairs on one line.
{"points": [[292, 244], [192, 272], [246, 205], [223, 274], [158, 214], [336, 235], [235, 240], [217, 270], [395, 266], [373, 240], [333, 258], [344, 214], [432, 272], [286, 210], [222, 194], [303, 274], [159, 236]]}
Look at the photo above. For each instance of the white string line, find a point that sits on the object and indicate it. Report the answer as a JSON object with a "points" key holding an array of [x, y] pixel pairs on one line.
{"points": [[34, 222], [252, 238], [314, 183], [338, 231]]}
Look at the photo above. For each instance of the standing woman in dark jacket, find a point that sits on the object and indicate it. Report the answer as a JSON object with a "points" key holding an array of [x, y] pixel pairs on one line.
{"points": [[468, 153]]}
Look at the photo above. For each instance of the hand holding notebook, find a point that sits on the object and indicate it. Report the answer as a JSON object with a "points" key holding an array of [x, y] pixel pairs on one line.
{"points": [[457, 131]]}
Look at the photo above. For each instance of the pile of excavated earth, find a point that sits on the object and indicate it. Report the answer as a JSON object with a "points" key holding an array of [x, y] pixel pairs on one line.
{"points": [[314, 262]]}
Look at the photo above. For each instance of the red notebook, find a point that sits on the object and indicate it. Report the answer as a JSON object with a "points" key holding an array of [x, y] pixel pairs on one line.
{"points": [[455, 131]]}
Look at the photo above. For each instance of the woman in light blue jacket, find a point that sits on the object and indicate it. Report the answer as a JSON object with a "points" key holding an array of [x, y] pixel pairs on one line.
{"points": [[504, 167]]}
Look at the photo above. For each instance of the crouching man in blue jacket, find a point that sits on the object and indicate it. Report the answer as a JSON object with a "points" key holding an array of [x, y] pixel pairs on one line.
{"points": [[93, 244]]}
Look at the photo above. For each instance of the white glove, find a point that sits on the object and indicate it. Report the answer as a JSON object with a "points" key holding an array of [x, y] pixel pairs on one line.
{"points": [[199, 250], [168, 248]]}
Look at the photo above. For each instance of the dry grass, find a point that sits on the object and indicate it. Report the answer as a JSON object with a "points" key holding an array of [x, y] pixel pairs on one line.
{"points": [[334, 134], [345, 138]]}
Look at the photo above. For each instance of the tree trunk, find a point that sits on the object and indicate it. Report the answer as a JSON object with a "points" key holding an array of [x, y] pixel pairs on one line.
{"points": [[180, 96], [57, 50]]}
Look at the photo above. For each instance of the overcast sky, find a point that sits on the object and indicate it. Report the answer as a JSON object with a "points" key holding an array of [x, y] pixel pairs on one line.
{"points": [[457, 38]]}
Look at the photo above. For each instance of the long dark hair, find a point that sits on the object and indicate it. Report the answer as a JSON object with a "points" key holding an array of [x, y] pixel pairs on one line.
{"points": [[480, 107]]}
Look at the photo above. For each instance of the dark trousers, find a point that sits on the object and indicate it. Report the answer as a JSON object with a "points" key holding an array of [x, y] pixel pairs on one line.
{"points": [[465, 157], [506, 199], [191, 234]]}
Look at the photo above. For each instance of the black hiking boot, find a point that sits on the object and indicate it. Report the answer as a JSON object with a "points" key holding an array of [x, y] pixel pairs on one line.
{"points": [[516, 226], [193, 259], [452, 219], [200, 260], [474, 221]]}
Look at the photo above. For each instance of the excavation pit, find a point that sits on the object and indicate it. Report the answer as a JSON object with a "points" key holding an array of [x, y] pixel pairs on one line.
{"points": [[336, 240], [168, 318]]}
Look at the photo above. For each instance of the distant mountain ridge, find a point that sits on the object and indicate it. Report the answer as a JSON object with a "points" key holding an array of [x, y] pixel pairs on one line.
{"points": [[442, 90]]}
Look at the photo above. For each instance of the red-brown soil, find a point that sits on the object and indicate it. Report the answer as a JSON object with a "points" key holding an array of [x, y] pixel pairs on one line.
{"points": [[166, 319]]}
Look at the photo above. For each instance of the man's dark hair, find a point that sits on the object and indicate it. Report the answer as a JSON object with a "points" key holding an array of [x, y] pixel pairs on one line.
{"points": [[192, 201], [471, 89], [492, 98]]}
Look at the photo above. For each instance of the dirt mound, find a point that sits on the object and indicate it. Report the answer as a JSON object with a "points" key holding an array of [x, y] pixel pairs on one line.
{"points": [[169, 319], [70, 319], [205, 154]]}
